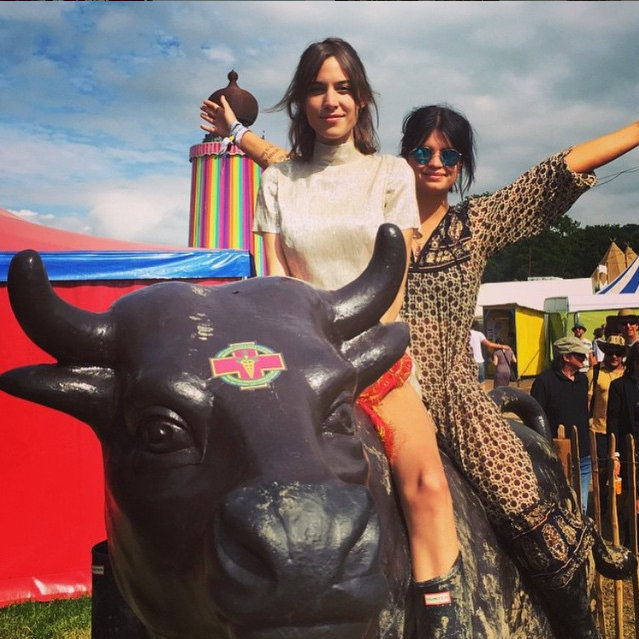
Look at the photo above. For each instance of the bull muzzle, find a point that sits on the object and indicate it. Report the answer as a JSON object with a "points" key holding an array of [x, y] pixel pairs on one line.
{"points": [[291, 556]]}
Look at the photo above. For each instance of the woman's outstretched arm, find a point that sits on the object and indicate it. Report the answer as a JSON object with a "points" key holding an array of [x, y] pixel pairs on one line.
{"points": [[220, 118], [590, 155]]}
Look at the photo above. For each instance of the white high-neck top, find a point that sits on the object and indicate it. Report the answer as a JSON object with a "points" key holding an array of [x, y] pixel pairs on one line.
{"points": [[327, 211]]}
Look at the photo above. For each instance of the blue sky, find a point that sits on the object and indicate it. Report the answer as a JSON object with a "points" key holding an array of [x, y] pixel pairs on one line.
{"points": [[99, 100]]}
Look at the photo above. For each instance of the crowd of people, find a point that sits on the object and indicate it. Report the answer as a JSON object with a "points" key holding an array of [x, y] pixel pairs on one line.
{"points": [[319, 206]]}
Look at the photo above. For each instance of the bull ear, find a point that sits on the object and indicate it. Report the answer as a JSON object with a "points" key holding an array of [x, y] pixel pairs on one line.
{"points": [[84, 393], [372, 353], [360, 304], [68, 333]]}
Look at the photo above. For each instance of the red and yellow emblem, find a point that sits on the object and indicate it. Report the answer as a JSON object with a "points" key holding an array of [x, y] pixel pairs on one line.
{"points": [[248, 365]]}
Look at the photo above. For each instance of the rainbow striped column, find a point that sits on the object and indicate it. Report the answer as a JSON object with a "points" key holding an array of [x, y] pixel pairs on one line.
{"points": [[223, 192]]}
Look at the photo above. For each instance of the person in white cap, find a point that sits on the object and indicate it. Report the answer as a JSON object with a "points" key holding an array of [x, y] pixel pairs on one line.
{"points": [[579, 330]]}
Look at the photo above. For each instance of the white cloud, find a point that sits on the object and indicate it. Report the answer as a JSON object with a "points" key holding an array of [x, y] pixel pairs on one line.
{"points": [[99, 101], [152, 209]]}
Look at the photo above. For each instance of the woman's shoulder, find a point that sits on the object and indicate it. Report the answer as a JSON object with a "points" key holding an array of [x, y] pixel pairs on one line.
{"points": [[285, 166], [393, 165]]}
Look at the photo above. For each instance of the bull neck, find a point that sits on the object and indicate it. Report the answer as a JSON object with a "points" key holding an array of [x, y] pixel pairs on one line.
{"points": [[335, 155]]}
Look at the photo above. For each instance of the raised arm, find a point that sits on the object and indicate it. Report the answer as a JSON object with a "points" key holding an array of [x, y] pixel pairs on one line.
{"points": [[220, 119], [589, 156], [494, 345]]}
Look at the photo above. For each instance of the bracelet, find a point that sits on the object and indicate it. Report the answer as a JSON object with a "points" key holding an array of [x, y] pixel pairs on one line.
{"points": [[237, 132]]}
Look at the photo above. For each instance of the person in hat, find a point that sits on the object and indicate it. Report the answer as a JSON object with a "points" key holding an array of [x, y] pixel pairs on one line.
{"points": [[627, 322], [562, 392], [600, 377], [622, 415], [579, 330]]}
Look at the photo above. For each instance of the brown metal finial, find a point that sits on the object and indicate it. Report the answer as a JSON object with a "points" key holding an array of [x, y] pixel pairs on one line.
{"points": [[242, 102]]}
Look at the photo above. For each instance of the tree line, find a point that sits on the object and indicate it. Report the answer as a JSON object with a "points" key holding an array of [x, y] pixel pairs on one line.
{"points": [[564, 250]]}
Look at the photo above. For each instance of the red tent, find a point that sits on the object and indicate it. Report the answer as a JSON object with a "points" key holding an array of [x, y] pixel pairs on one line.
{"points": [[16, 234], [51, 487]]}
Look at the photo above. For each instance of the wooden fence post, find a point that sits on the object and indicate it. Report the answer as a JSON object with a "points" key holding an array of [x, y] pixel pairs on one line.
{"points": [[562, 446], [632, 518], [596, 499], [614, 522]]}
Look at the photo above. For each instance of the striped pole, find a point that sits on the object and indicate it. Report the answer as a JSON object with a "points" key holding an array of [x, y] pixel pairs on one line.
{"points": [[223, 191]]}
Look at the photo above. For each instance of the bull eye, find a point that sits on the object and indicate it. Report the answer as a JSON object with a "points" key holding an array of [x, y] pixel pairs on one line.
{"points": [[341, 419], [161, 431]]}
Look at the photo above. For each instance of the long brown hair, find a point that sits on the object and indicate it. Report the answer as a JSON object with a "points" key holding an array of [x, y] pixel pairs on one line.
{"points": [[301, 135]]}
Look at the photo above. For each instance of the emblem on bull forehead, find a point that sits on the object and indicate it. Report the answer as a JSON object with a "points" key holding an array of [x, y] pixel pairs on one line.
{"points": [[248, 365]]}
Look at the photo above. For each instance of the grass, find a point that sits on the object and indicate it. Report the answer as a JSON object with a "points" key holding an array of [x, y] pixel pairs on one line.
{"points": [[61, 619]]}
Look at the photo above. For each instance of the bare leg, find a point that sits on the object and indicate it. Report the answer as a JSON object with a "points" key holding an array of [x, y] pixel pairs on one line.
{"points": [[419, 474]]}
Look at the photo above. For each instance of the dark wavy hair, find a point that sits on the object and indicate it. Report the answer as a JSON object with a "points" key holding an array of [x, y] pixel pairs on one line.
{"points": [[301, 135], [419, 123]]}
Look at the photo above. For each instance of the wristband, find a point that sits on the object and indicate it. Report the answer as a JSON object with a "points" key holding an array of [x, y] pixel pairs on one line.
{"points": [[237, 132]]}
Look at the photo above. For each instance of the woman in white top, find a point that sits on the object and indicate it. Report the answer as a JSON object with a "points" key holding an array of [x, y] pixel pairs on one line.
{"points": [[318, 214]]}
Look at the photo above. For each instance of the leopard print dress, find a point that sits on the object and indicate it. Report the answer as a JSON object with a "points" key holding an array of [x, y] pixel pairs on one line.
{"points": [[442, 290]]}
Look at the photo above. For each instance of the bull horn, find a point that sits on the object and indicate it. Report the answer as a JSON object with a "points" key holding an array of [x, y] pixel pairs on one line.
{"points": [[70, 334], [361, 303]]}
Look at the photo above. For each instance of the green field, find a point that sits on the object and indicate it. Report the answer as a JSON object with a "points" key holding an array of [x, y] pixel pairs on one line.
{"points": [[62, 619]]}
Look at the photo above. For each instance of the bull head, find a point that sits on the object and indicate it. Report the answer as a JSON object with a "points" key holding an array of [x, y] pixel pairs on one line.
{"points": [[212, 487]]}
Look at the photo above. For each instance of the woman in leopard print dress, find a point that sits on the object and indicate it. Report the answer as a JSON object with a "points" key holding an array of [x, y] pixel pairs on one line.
{"points": [[449, 258]]}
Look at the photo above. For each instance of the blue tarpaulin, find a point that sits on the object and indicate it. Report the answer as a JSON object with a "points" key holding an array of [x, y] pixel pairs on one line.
{"points": [[70, 266]]}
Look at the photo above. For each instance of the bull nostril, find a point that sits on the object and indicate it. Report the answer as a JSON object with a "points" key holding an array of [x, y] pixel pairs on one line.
{"points": [[279, 542], [243, 548]]}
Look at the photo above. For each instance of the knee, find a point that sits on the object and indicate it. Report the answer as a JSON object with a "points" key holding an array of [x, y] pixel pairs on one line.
{"points": [[428, 493]]}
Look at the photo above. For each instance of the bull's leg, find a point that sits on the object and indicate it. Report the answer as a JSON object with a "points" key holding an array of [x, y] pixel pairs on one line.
{"points": [[552, 544], [569, 608], [443, 606]]}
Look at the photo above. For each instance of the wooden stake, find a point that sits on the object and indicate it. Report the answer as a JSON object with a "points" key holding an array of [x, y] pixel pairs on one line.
{"points": [[596, 498], [614, 523], [562, 447], [631, 491]]}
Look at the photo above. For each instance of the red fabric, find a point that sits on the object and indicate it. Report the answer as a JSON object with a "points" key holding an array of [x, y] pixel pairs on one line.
{"points": [[17, 234], [372, 397], [51, 484]]}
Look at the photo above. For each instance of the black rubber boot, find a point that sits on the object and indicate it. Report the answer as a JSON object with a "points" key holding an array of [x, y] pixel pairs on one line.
{"points": [[443, 607]]}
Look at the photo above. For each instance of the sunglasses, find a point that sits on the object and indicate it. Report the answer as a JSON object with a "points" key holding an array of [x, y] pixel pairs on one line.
{"points": [[627, 322], [615, 353], [424, 154]]}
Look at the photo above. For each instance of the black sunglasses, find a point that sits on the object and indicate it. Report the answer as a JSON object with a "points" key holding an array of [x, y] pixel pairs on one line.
{"points": [[424, 154], [627, 322], [616, 353], [580, 356]]}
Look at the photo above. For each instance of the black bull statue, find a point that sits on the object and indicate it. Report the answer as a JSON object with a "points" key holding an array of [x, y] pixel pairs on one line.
{"points": [[246, 496]]}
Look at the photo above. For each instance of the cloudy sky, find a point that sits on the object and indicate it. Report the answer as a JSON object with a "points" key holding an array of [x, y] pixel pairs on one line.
{"points": [[99, 101]]}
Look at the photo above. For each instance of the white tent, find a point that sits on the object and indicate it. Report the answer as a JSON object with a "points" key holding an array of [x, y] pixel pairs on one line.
{"points": [[530, 293], [626, 283]]}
